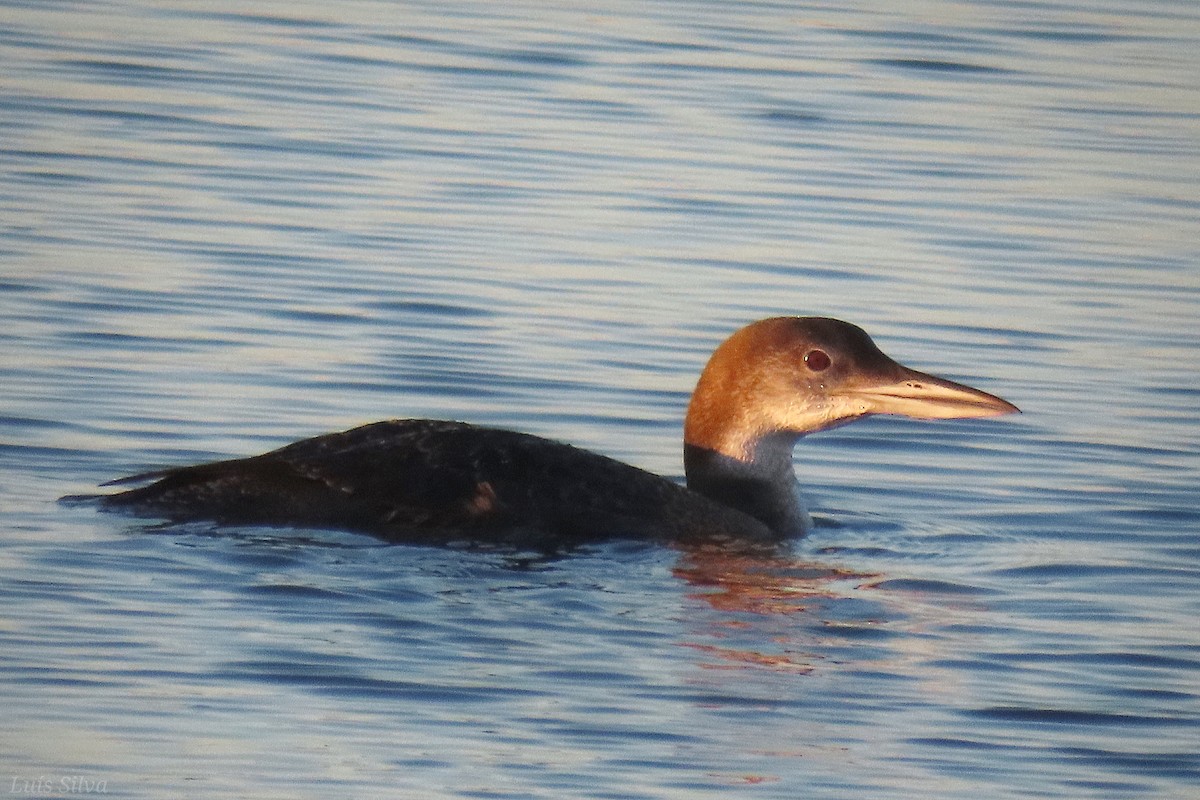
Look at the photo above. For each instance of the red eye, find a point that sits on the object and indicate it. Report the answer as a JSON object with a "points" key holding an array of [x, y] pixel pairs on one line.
{"points": [[817, 360]]}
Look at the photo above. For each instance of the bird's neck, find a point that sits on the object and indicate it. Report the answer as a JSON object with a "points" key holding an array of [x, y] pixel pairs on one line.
{"points": [[755, 477], [734, 450]]}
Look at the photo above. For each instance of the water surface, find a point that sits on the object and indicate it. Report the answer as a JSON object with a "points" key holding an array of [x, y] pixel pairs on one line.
{"points": [[226, 227]]}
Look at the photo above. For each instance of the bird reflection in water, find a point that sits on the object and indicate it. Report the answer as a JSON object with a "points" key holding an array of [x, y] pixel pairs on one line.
{"points": [[750, 587]]}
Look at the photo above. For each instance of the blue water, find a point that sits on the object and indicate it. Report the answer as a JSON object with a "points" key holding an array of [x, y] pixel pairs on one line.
{"points": [[225, 226]]}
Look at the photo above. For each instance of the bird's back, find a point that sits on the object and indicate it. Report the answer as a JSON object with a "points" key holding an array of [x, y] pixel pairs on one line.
{"points": [[429, 479]]}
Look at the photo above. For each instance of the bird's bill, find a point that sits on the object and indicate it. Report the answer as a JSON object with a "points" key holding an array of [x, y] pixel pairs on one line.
{"points": [[922, 396]]}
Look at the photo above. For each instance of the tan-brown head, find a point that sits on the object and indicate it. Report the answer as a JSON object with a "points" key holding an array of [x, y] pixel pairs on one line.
{"points": [[797, 375]]}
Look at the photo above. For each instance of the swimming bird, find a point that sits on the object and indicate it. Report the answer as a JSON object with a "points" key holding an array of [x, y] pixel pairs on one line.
{"points": [[764, 387]]}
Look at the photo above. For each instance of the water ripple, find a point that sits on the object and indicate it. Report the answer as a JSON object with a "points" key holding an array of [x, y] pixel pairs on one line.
{"points": [[226, 228]]}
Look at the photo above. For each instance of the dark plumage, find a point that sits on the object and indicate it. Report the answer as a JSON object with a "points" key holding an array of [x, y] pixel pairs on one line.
{"points": [[414, 479]]}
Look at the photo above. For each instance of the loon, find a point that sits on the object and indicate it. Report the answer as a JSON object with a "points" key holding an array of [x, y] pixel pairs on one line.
{"points": [[764, 387]]}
